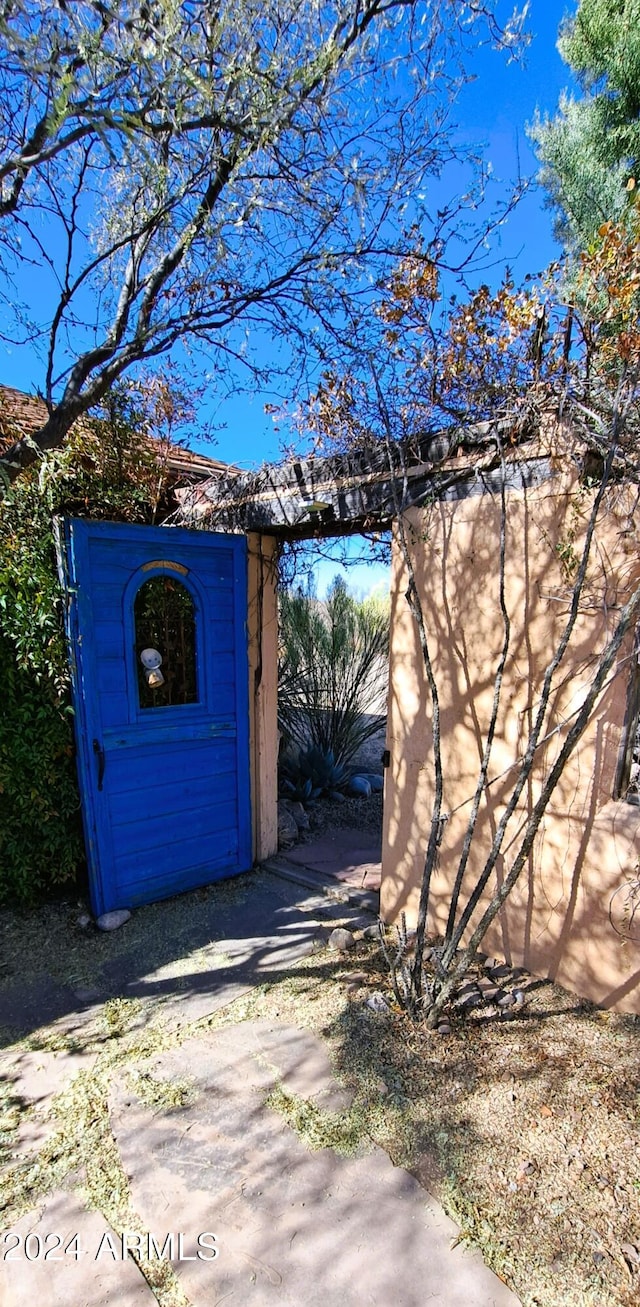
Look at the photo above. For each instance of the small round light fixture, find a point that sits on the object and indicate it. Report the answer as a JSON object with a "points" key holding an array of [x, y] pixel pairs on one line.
{"points": [[151, 660]]}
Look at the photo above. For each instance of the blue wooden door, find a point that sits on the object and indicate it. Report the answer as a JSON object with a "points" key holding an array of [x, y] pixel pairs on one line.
{"points": [[163, 739]]}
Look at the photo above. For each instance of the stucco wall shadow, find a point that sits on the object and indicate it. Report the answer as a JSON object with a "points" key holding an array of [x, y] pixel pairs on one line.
{"points": [[557, 921]]}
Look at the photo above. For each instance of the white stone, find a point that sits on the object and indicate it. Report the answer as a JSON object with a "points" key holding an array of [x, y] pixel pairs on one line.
{"points": [[377, 1002], [112, 920]]}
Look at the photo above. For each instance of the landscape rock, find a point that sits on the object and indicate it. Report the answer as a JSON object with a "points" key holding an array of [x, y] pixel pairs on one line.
{"points": [[83, 920], [359, 786], [501, 971], [112, 920], [377, 1002], [376, 782], [373, 932], [356, 921], [508, 1001], [469, 1001], [298, 813], [287, 828], [342, 940]]}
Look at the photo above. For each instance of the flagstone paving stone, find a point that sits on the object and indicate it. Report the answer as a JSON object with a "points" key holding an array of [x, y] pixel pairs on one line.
{"points": [[40, 1273], [292, 1226], [203, 1151]]}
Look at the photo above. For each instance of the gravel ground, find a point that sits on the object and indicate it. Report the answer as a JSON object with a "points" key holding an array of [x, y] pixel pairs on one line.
{"points": [[352, 814]]}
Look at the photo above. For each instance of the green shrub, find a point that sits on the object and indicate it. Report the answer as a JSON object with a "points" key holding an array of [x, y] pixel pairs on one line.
{"points": [[106, 470], [307, 774], [41, 842]]}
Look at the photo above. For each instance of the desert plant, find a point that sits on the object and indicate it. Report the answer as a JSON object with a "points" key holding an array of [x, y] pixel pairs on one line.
{"points": [[332, 673], [307, 774]]}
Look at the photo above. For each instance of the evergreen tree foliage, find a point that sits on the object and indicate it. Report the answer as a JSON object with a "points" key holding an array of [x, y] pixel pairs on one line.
{"points": [[590, 150]]}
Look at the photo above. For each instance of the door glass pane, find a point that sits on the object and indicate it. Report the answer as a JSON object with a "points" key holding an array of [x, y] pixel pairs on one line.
{"points": [[165, 625]]}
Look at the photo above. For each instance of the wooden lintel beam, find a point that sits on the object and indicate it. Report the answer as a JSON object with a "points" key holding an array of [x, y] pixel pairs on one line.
{"points": [[302, 511]]}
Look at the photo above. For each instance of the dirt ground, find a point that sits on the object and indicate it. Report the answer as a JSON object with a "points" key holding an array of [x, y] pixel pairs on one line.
{"points": [[362, 814], [526, 1126]]}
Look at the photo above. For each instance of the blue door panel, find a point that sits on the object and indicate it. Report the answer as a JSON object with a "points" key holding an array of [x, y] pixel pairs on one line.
{"points": [[188, 765], [178, 797], [204, 831], [139, 890], [161, 828], [165, 789], [149, 864]]}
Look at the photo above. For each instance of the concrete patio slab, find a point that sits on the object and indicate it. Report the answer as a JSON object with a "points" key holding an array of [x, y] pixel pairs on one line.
{"points": [[34, 1078], [193, 953]]}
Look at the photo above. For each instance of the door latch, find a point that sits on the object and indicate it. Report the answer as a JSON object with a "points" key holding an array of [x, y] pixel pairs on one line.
{"points": [[98, 749]]}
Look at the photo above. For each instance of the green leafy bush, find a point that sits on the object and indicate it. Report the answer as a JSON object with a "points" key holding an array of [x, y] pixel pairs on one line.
{"points": [[41, 841], [106, 470]]}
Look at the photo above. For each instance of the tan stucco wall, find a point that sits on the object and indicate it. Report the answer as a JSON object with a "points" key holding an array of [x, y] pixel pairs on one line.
{"points": [[557, 921], [263, 692]]}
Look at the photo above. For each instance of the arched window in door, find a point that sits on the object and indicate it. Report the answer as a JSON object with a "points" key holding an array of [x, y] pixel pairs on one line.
{"points": [[165, 637]]}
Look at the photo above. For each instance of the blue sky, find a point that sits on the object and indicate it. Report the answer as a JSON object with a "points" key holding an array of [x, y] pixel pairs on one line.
{"points": [[492, 113]]}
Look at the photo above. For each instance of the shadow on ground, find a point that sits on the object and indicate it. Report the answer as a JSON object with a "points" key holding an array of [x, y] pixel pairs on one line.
{"points": [[196, 951]]}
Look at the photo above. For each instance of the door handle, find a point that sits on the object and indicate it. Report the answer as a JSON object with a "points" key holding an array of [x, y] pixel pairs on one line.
{"points": [[98, 749]]}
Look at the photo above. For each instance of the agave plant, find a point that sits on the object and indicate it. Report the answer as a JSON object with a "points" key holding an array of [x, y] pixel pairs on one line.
{"points": [[308, 774], [294, 784]]}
